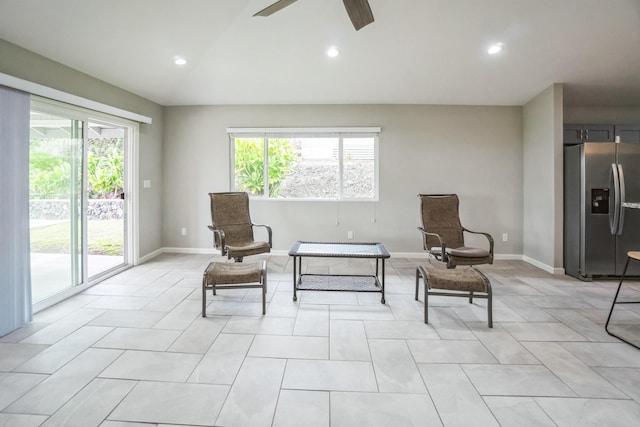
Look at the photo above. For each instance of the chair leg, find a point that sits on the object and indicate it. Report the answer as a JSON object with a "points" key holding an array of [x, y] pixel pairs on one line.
{"points": [[238, 259], [204, 297], [471, 297], [417, 281], [615, 301], [490, 308], [426, 301]]}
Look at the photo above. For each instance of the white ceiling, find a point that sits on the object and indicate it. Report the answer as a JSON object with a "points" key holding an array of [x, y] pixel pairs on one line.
{"points": [[416, 51]]}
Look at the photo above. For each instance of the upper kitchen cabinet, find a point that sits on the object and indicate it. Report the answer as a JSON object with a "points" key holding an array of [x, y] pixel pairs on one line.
{"points": [[628, 133], [577, 134]]}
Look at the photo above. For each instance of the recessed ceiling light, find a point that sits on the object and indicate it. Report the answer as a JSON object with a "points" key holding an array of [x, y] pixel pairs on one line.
{"points": [[179, 60], [495, 48], [332, 52]]}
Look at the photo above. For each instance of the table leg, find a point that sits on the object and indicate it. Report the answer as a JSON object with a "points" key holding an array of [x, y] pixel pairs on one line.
{"points": [[295, 265], [382, 280]]}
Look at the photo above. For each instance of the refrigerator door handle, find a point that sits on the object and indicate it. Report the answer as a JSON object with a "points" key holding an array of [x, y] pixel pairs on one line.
{"points": [[614, 211], [622, 199]]}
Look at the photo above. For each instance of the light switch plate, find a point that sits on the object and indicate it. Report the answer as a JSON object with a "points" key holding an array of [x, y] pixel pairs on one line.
{"points": [[146, 183]]}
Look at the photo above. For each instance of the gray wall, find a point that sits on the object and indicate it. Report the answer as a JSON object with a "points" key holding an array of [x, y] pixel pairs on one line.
{"points": [[473, 151], [28, 66], [602, 115], [542, 141]]}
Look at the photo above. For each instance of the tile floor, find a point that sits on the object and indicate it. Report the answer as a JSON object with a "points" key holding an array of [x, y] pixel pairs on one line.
{"points": [[134, 351]]}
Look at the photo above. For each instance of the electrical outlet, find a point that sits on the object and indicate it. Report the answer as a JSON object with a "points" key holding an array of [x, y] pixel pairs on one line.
{"points": [[505, 237], [349, 234], [183, 231]]}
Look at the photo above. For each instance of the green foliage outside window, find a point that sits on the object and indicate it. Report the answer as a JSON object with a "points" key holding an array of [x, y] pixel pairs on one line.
{"points": [[249, 164], [50, 174]]}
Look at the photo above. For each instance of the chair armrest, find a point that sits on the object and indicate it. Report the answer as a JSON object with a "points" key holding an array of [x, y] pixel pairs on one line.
{"points": [[220, 234], [487, 235], [268, 232], [425, 233]]}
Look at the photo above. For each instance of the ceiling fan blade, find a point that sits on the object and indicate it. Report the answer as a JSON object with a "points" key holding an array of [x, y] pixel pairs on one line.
{"points": [[359, 12], [280, 4]]}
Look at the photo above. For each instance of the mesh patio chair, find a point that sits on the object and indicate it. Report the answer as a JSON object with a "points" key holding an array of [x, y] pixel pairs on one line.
{"points": [[443, 234], [232, 226]]}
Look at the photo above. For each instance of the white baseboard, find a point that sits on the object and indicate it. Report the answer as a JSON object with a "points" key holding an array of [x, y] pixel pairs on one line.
{"points": [[542, 266], [151, 255]]}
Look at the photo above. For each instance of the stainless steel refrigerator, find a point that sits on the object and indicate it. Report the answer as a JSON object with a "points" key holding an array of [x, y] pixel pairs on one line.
{"points": [[601, 215]]}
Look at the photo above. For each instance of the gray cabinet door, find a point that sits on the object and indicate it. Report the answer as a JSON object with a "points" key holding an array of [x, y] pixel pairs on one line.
{"points": [[628, 133], [577, 134]]}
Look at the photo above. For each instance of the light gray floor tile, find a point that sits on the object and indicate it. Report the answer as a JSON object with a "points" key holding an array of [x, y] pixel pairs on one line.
{"points": [[172, 403], [582, 379], [259, 325], [181, 316], [456, 399], [56, 356], [302, 408], [138, 339], [22, 420], [448, 325], [281, 304], [112, 289], [127, 424], [14, 385], [542, 332], [394, 367], [312, 320], [290, 347], [15, 354], [360, 312], [403, 307], [348, 341], [119, 303], [382, 410], [504, 347], [23, 332], [223, 360], [92, 404], [152, 366], [516, 380], [591, 412], [128, 318], [199, 336], [400, 329], [63, 327], [254, 394], [63, 308], [234, 308], [168, 300], [611, 355], [524, 308], [48, 396], [449, 351], [582, 325], [518, 411], [626, 379], [334, 375]]}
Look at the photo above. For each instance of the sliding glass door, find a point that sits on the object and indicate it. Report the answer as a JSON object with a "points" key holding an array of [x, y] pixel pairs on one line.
{"points": [[78, 226], [55, 193]]}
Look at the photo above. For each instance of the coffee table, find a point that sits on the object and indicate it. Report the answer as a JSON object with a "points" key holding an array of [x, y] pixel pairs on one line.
{"points": [[338, 282]]}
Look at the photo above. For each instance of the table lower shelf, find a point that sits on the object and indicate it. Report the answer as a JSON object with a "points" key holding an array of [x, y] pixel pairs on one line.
{"points": [[326, 282]]}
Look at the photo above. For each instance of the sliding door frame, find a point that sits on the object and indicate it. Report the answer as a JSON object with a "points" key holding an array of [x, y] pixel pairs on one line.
{"points": [[131, 149]]}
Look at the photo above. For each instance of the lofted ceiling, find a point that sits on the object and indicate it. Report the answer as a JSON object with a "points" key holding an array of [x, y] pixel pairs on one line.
{"points": [[416, 51]]}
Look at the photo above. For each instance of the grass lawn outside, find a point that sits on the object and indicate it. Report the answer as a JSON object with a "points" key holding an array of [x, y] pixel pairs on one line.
{"points": [[105, 238]]}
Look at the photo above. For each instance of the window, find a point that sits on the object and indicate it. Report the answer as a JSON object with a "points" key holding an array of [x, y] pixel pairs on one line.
{"points": [[309, 164]]}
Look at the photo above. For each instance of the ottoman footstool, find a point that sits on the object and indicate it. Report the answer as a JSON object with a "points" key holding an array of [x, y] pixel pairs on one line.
{"points": [[467, 283], [223, 275]]}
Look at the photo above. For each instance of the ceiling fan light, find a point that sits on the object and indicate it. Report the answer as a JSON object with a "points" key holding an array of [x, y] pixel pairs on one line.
{"points": [[333, 51]]}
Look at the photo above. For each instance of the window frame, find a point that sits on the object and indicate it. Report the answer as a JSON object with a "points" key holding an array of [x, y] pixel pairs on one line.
{"points": [[340, 133]]}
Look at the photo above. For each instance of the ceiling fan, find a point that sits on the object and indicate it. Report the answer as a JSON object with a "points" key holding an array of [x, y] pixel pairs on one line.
{"points": [[358, 10]]}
